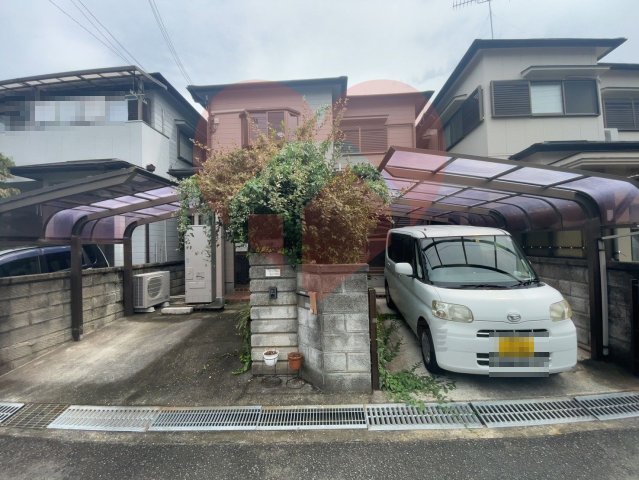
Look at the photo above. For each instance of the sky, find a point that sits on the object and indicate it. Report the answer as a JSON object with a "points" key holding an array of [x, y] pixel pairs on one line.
{"points": [[417, 42]]}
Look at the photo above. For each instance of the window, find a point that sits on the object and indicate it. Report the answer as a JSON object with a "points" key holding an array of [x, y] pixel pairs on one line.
{"points": [[281, 123], [185, 148], [465, 119], [521, 98], [546, 98], [365, 136], [146, 110], [621, 113], [400, 248]]}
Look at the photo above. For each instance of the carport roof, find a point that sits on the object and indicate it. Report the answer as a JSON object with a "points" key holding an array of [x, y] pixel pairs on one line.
{"points": [[517, 196], [97, 208]]}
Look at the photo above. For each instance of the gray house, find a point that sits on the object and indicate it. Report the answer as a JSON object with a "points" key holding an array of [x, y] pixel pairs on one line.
{"points": [[109, 114]]}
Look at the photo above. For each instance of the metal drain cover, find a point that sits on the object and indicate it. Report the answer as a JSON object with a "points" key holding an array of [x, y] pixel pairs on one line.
{"points": [[222, 418], [611, 406], [312, 418], [35, 415], [111, 419], [433, 416], [7, 409], [514, 413]]}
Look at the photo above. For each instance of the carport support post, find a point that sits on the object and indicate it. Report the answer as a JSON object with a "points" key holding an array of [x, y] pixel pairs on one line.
{"points": [[127, 275], [591, 234], [76, 288]]}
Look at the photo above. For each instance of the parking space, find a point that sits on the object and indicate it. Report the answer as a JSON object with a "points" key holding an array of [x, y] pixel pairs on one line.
{"points": [[588, 377], [154, 359]]}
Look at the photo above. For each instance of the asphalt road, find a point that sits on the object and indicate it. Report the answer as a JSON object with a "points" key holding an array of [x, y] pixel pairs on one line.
{"points": [[586, 453]]}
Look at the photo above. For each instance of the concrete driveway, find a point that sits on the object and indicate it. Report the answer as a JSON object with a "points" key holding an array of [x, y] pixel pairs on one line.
{"points": [[159, 360], [153, 359]]}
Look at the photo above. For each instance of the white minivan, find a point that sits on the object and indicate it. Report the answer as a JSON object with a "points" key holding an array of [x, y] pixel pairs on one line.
{"points": [[475, 303]]}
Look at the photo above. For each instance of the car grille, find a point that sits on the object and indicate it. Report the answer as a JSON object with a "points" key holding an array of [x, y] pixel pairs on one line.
{"points": [[536, 332]]}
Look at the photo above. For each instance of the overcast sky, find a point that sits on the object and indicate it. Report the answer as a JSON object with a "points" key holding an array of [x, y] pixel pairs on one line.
{"points": [[417, 42]]}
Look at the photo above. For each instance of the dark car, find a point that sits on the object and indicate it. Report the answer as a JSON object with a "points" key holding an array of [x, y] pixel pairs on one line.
{"points": [[34, 260]]}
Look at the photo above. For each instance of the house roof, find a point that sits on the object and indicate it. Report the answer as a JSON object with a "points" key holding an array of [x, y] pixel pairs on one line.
{"points": [[576, 147], [420, 99], [603, 46], [201, 93], [620, 66], [91, 79]]}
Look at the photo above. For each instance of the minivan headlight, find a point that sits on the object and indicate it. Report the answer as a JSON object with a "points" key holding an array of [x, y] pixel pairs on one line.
{"points": [[452, 312], [560, 311]]}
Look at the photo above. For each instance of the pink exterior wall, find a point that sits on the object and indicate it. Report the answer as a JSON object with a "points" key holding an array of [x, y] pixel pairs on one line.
{"points": [[400, 112], [228, 105]]}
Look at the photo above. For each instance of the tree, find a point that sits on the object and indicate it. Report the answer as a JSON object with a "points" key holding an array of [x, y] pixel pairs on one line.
{"points": [[5, 164], [326, 213]]}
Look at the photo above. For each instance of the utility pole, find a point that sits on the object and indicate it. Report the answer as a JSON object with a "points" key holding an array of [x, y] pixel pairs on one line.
{"points": [[465, 3]]}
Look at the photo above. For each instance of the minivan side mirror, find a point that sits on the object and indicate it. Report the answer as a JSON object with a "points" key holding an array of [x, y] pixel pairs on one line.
{"points": [[404, 268]]}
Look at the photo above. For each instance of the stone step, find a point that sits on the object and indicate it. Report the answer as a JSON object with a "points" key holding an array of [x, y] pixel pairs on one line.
{"points": [[176, 310]]}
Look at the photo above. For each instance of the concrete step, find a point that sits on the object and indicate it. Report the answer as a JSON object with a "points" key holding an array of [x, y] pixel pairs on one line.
{"points": [[176, 310]]}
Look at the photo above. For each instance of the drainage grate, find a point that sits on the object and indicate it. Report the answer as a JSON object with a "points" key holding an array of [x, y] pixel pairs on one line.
{"points": [[112, 419], [433, 416], [35, 415], [8, 409], [222, 418], [513, 413], [312, 418], [612, 405]]}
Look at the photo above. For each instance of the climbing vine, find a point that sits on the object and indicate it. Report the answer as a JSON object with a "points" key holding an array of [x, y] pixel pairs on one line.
{"points": [[405, 385]]}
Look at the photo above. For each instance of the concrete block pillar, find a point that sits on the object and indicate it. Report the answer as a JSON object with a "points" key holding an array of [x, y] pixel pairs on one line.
{"points": [[273, 285], [333, 326]]}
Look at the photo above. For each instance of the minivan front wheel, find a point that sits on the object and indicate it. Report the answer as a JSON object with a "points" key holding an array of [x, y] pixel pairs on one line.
{"points": [[389, 300], [428, 351]]}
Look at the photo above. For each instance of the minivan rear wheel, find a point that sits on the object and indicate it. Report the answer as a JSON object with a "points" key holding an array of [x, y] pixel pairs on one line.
{"points": [[428, 351], [389, 300]]}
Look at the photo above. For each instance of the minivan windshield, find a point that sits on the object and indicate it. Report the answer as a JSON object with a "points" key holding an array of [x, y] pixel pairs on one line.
{"points": [[477, 261]]}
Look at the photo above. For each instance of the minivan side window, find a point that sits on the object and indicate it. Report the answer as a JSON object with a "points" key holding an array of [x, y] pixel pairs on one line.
{"points": [[401, 249]]}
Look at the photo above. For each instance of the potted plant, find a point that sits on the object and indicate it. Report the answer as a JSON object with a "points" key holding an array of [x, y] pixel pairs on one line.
{"points": [[295, 360], [270, 357]]}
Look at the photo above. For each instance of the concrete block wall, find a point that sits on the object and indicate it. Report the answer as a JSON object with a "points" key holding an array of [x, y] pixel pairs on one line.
{"points": [[273, 321], [35, 310], [570, 277], [620, 311], [335, 340]]}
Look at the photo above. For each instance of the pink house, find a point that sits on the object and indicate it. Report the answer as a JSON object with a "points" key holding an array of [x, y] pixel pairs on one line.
{"points": [[375, 119]]}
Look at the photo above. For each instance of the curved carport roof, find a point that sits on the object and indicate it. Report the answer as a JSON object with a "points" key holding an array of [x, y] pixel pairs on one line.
{"points": [[101, 208], [519, 197]]}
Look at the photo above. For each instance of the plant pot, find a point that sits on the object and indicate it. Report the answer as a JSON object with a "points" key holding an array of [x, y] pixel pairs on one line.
{"points": [[270, 357], [295, 360]]}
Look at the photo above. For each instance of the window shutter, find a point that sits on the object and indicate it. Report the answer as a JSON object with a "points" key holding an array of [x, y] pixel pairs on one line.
{"points": [[581, 97], [511, 99], [619, 113], [373, 139], [351, 140]]}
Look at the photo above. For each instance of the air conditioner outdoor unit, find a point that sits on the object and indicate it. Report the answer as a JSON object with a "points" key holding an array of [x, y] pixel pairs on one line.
{"points": [[150, 289]]}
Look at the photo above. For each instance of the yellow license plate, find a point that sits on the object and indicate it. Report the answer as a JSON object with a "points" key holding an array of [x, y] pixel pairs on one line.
{"points": [[516, 346]]}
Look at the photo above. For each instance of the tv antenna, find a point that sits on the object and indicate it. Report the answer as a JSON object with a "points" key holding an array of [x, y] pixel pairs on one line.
{"points": [[465, 3]]}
